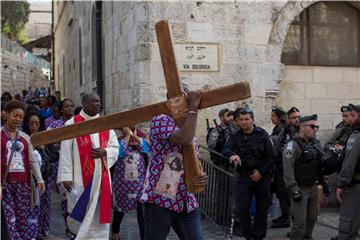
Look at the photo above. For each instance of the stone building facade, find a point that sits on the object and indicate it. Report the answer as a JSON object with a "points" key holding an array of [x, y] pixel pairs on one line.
{"points": [[39, 23], [111, 47]]}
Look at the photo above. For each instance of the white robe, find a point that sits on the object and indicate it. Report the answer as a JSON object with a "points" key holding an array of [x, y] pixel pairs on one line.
{"points": [[70, 170]]}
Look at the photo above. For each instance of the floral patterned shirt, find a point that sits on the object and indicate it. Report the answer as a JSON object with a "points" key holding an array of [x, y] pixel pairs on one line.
{"points": [[165, 183]]}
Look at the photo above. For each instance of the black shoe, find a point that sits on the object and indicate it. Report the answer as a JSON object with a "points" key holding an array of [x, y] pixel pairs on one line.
{"points": [[333, 238], [238, 231], [276, 220], [283, 223]]}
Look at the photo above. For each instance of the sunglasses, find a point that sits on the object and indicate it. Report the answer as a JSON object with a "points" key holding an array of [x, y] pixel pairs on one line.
{"points": [[313, 126]]}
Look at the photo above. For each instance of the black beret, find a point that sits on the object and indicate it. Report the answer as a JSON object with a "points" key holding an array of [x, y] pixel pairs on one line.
{"points": [[345, 109], [292, 109], [223, 111], [354, 107], [308, 118], [279, 111]]}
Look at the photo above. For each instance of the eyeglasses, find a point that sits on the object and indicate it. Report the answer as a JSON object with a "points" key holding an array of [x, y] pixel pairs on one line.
{"points": [[313, 126]]}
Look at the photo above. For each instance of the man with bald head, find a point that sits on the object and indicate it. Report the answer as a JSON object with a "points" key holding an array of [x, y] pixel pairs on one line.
{"points": [[84, 172], [301, 169]]}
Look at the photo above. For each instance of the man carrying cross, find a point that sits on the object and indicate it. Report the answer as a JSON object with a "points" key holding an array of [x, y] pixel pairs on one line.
{"points": [[168, 202], [180, 107], [84, 172]]}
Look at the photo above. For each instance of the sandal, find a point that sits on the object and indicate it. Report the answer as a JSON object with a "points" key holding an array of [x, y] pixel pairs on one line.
{"points": [[69, 234]]}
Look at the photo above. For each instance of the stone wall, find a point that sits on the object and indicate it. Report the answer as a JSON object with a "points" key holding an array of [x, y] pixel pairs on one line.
{"points": [[250, 35], [321, 90], [17, 75], [74, 17], [133, 70]]}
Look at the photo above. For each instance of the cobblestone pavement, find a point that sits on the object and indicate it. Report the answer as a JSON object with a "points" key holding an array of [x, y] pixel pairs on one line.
{"points": [[325, 228]]}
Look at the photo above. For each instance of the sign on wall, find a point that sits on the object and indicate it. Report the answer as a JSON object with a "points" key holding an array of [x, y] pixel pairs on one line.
{"points": [[197, 57]]}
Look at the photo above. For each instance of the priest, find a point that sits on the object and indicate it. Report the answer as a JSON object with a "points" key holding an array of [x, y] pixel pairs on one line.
{"points": [[84, 172]]}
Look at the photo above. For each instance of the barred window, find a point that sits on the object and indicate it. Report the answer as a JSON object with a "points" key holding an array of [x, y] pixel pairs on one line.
{"points": [[325, 34]]}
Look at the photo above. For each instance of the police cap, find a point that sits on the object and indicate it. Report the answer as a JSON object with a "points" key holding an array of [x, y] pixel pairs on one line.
{"points": [[308, 118], [345, 109], [354, 107], [292, 109], [223, 111], [279, 111]]}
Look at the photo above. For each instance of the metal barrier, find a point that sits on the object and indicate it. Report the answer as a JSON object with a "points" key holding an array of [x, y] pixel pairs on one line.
{"points": [[216, 201]]}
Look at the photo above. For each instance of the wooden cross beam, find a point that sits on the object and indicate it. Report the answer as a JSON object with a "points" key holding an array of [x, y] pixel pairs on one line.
{"points": [[176, 106]]}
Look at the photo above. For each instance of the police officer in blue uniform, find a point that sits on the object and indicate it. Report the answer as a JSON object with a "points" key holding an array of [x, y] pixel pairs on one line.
{"points": [[252, 153]]}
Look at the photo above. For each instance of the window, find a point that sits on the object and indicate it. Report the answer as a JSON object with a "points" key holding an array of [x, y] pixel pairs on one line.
{"points": [[326, 34]]}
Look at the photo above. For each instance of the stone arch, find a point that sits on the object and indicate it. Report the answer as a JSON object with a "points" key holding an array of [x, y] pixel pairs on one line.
{"points": [[282, 23]]}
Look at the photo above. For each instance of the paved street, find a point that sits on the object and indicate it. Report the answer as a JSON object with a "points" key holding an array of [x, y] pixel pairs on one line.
{"points": [[324, 229]]}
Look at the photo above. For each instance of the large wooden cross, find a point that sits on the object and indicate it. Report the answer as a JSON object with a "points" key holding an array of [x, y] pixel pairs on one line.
{"points": [[176, 107]]}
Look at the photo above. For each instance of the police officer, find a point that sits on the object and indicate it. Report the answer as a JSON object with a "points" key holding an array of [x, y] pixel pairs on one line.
{"points": [[220, 134], [348, 184], [342, 130], [216, 140], [293, 120], [302, 167], [278, 118], [251, 151], [334, 148]]}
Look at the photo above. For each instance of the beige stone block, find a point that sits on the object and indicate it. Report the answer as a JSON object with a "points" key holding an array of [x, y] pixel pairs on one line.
{"points": [[352, 75], [292, 91], [343, 91], [325, 106], [257, 33], [298, 74], [326, 121], [315, 90], [328, 74]]}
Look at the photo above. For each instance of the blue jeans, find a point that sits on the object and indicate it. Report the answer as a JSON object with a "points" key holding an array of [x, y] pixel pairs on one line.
{"points": [[158, 221]]}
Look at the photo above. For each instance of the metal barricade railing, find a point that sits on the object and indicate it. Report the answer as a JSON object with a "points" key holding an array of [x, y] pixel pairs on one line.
{"points": [[217, 200]]}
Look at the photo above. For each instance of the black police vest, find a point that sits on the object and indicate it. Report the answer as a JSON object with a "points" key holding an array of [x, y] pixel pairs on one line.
{"points": [[308, 166], [251, 149]]}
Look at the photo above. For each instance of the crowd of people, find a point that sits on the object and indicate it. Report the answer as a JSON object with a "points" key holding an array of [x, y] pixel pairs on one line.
{"points": [[102, 176], [291, 163]]}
